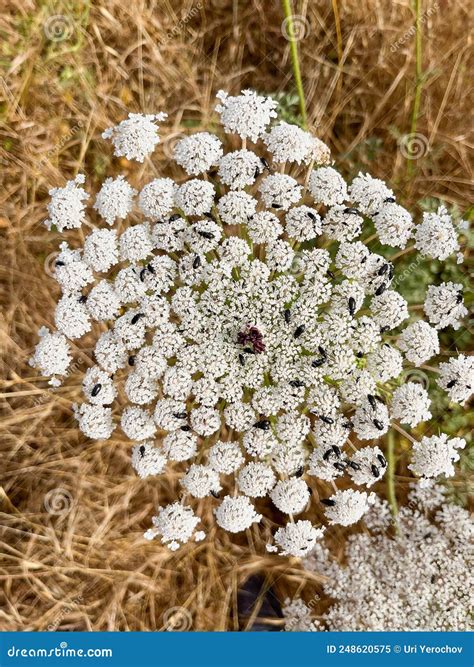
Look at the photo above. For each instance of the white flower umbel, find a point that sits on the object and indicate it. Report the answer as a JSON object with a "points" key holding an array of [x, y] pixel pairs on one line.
{"points": [[156, 199], [457, 378], [236, 514], [175, 525], [148, 460], [52, 355], [289, 143], [419, 341], [436, 235], [241, 323], [67, 208], [374, 590], [327, 186], [247, 114], [136, 137], [296, 539], [434, 456], [198, 153], [347, 507], [410, 404], [114, 200], [444, 305]]}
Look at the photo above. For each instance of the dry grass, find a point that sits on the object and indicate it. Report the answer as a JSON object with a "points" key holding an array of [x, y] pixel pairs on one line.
{"points": [[89, 568]]}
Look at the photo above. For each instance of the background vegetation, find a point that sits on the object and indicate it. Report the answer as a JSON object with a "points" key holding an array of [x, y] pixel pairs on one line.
{"points": [[375, 73]]}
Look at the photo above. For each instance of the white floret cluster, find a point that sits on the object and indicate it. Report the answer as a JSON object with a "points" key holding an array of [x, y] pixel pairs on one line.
{"points": [[420, 578], [256, 337]]}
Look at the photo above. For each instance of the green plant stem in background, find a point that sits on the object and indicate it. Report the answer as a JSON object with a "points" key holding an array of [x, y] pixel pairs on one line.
{"points": [[392, 498], [295, 59], [418, 83]]}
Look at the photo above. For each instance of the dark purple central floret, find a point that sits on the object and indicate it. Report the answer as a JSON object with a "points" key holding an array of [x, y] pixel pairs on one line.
{"points": [[253, 337]]}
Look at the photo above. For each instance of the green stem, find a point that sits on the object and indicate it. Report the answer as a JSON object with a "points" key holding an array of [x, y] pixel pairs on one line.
{"points": [[392, 498], [418, 82], [295, 59]]}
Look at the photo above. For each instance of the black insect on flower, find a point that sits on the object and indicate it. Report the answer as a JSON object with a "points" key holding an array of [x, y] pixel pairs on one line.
{"points": [[336, 450], [383, 269], [299, 330], [82, 298], [327, 454], [131, 360], [451, 384], [59, 263], [196, 262], [185, 428], [389, 200], [142, 450], [326, 420], [348, 424], [351, 211], [299, 472], [95, 389], [372, 401], [287, 315], [276, 205], [180, 415], [328, 501], [174, 217], [375, 470], [316, 363], [382, 459], [264, 163], [322, 351], [352, 305], [150, 268], [353, 464], [262, 424], [296, 383], [215, 494], [241, 359], [142, 275], [136, 317], [380, 289], [206, 235], [339, 465], [378, 424]]}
